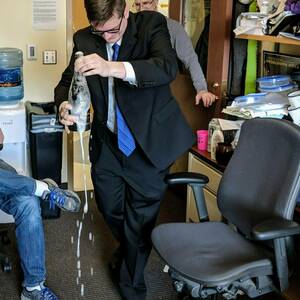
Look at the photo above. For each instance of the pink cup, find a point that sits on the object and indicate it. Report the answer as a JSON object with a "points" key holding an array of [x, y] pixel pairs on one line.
{"points": [[202, 139]]}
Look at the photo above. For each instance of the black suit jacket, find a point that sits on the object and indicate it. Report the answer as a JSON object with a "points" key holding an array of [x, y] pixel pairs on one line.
{"points": [[150, 110]]}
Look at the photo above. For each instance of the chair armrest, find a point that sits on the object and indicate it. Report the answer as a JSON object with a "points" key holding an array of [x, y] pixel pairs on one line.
{"points": [[186, 178], [275, 228], [196, 181]]}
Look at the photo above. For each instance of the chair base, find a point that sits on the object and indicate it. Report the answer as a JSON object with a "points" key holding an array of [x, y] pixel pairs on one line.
{"points": [[251, 287], [5, 263], [4, 258]]}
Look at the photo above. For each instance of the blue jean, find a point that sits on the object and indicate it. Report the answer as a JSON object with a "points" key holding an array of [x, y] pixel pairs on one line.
{"points": [[17, 198]]}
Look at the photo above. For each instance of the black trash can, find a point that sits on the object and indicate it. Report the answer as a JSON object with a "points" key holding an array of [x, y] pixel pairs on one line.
{"points": [[45, 138]]}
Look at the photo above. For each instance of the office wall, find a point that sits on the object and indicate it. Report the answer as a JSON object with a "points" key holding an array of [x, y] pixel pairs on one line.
{"points": [[17, 31]]}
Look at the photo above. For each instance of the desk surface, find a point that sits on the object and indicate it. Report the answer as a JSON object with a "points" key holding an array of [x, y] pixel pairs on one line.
{"points": [[205, 156]]}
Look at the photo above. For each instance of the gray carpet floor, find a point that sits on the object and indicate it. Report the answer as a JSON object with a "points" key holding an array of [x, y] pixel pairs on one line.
{"points": [[61, 259]]}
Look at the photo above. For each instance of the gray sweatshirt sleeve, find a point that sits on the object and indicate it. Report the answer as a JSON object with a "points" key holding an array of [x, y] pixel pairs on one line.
{"points": [[186, 54]]}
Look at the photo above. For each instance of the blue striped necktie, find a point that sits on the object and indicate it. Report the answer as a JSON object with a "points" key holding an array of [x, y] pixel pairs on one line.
{"points": [[126, 141]]}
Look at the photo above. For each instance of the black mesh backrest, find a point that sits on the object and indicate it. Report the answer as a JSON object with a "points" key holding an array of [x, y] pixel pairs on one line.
{"points": [[261, 180]]}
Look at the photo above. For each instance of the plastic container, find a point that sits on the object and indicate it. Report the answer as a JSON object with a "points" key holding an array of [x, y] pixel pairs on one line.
{"points": [[80, 100], [248, 99], [11, 75], [278, 89], [273, 81], [212, 126]]}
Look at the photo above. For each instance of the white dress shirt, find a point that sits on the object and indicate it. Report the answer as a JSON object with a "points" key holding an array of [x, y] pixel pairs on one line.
{"points": [[129, 77]]}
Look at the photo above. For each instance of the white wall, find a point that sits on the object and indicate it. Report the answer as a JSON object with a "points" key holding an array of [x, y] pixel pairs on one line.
{"points": [[17, 31]]}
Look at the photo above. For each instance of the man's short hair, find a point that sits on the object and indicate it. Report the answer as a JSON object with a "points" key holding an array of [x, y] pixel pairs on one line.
{"points": [[100, 11]]}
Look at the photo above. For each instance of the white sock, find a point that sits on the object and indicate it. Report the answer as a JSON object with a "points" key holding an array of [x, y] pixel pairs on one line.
{"points": [[32, 288], [41, 187]]}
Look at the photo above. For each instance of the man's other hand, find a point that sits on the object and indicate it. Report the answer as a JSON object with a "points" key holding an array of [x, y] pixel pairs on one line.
{"points": [[64, 116], [208, 98]]}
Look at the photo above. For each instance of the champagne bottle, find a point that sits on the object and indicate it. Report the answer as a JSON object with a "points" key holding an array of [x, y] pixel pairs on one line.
{"points": [[80, 99]]}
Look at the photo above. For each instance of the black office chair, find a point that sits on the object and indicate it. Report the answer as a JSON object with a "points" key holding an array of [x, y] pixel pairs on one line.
{"points": [[249, 253]]}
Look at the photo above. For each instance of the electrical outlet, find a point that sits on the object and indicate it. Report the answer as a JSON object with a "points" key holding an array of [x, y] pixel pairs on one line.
{"points": [[49, 57]]}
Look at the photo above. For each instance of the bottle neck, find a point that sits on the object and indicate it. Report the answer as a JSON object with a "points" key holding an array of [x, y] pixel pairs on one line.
{"points": [[78, 75]]}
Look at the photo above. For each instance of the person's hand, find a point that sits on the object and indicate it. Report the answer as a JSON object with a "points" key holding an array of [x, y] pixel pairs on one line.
{"points": [[64, 116], [1, 139], [92, 64], [207, 98]]}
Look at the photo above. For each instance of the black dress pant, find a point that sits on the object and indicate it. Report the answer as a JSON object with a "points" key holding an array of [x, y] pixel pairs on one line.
{"points": [[128, 191]]}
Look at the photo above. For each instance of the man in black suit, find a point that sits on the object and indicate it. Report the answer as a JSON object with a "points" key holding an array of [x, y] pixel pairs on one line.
{"points": [[129, 64]]}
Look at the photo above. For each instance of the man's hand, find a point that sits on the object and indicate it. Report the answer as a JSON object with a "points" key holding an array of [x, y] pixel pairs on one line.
{"points": [[1, 139], [207, 97], [64, 116], [94, 64]]}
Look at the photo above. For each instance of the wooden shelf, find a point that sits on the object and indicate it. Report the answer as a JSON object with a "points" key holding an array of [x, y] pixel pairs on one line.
{"points": [[269, 38]]}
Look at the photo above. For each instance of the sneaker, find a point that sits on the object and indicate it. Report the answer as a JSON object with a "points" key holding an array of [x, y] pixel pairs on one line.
{"points": [[64, 199], [43, 294]]}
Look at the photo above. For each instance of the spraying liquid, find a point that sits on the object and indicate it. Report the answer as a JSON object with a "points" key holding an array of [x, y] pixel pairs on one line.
{"points": [[85, 209], [79, 98], [78, 240], [80, 223]]}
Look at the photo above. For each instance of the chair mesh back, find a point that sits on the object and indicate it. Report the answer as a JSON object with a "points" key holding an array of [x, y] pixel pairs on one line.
{"points": [[261, 180]]}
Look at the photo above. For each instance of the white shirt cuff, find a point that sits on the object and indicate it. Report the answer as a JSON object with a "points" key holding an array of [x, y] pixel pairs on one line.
{"points": [[130, 74]]}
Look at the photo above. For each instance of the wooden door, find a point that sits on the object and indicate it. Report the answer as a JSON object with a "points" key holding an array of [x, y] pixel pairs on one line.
{"points": [[219, 50], [79, 19]]}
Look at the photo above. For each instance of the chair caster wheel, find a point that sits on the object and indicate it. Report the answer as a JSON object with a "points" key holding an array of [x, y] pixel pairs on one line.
{"points": [[6, 266]]}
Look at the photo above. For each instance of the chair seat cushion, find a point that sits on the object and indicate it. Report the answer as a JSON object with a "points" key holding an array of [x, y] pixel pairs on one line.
{"points": [[210, 253]]}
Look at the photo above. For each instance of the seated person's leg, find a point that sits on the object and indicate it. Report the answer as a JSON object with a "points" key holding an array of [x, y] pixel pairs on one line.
{"points": [[30, 240], [13, 184]]}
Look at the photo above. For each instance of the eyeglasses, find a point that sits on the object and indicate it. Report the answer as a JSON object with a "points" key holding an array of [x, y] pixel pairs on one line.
{"points": [[112, 30], [144, 4]]}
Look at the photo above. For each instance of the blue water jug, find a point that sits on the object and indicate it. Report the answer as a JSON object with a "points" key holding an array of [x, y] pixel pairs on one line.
{"points": [[11, 75]]}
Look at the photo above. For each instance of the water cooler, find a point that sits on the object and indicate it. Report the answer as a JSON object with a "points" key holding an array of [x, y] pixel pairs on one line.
{"points": [[12, 110], [12, 114], [13, 125]]}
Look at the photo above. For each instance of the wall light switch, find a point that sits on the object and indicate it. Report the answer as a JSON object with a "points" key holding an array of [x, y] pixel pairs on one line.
{"points": [[49, 57], [31, 52]]}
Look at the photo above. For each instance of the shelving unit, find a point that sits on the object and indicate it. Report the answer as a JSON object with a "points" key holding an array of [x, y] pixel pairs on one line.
{"points": [[269, 38]]}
